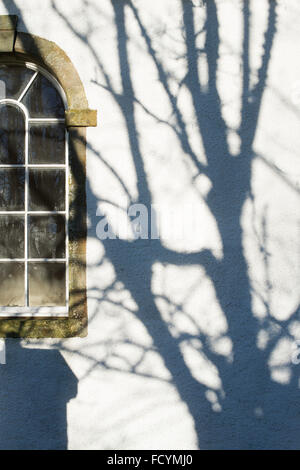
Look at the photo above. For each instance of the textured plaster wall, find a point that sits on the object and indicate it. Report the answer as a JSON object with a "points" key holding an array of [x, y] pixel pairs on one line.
{"points": [[190, 339]]}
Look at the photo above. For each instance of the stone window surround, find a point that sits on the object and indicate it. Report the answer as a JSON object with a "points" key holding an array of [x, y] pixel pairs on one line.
{"points": [[20, 47]]}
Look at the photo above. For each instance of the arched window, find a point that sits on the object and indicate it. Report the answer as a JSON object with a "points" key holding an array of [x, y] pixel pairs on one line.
{"points": [[44, 114], [33, 193]]}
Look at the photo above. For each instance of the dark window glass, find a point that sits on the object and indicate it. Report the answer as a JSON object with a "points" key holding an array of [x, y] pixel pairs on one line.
{"points": [[47, 236], [12, 183], [13, 80], [47, 283], [47, 143], [12, 135], [12, 284], [43, 100], [11, 236], [46, 190]]}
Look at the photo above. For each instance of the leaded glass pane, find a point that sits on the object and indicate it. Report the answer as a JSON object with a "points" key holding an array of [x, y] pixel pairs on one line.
{"points": [[13, 80], [47, 284], [47, 236], [46, 190], [12, 135], [47, 143], [12, 185], [12, 284], [43, 100], [11, 236]]}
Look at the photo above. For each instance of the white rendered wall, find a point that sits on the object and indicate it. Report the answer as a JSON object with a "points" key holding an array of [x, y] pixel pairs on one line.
{"points": [[168, 362]]}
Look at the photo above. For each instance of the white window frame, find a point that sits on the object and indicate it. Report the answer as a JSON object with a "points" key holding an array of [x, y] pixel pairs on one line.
{"points": [[42, 311]]}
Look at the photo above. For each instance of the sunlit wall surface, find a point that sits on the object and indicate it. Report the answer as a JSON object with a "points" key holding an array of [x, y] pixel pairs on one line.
{"points": [[193, 295]]}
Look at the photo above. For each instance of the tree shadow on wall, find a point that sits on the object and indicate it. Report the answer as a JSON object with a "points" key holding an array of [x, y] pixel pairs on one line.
{"points": [[253, 412], [35, 387]]}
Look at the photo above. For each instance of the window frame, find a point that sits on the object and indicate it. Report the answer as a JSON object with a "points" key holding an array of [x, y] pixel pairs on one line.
{"points": [[38, 311], [22, 47]]}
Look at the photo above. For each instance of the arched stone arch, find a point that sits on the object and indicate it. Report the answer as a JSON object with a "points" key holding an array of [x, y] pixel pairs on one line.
{"points": [[46, 53], [51, 56]]}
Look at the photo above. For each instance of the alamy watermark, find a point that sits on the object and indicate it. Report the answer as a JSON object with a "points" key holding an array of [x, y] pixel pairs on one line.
{"points": [[157, 222]]}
